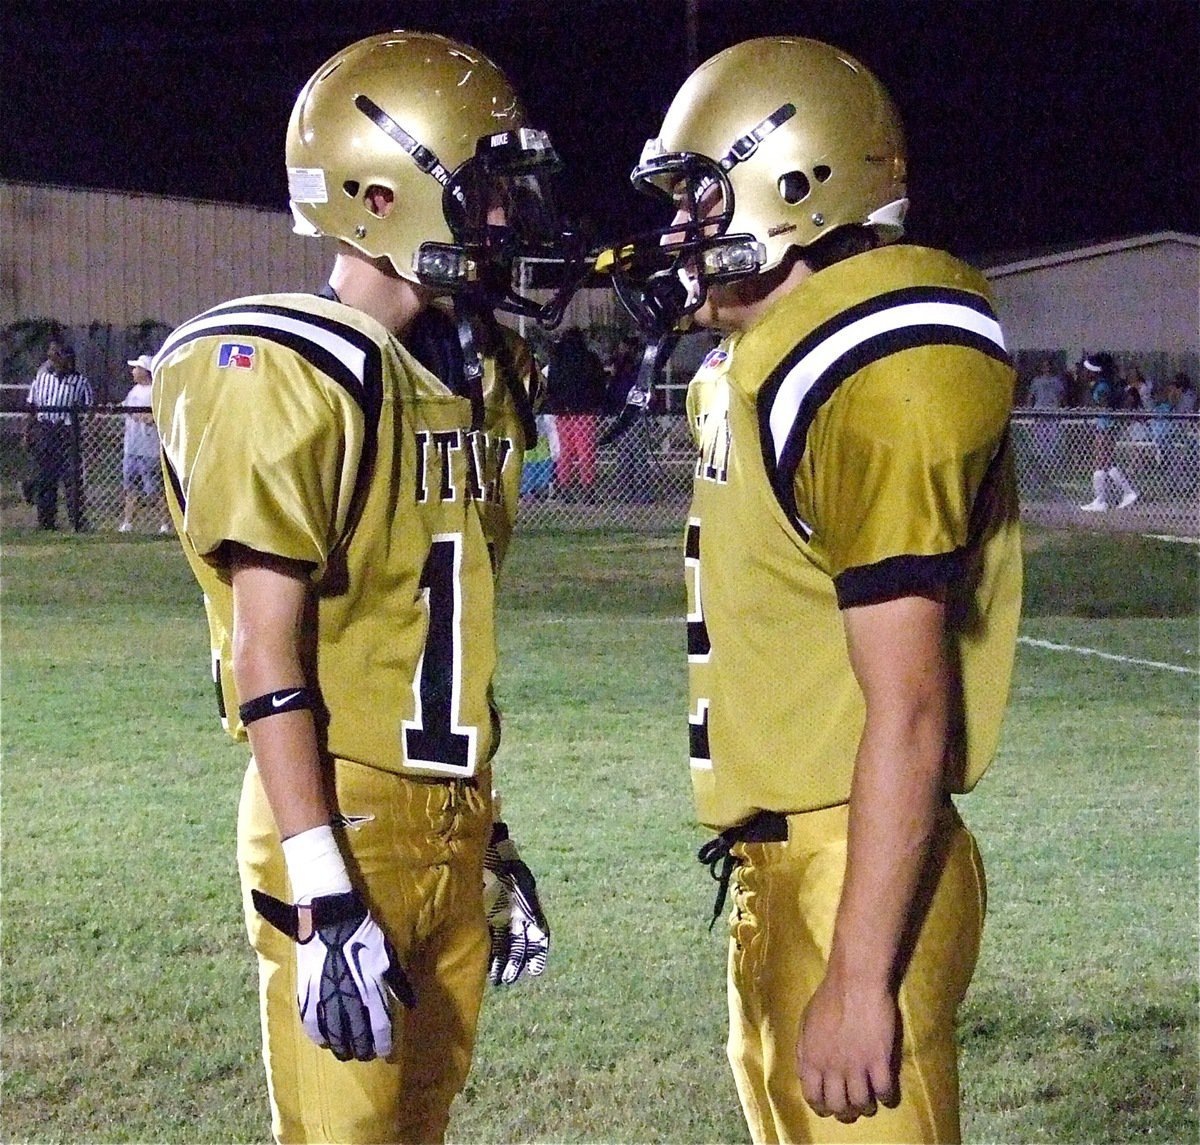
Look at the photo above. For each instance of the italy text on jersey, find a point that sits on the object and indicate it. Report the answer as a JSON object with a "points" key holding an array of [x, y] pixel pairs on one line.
{"points": [[485, 456]]}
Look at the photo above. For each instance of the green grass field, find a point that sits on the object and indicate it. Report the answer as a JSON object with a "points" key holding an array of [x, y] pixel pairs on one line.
{"points": [[129, 1008]]}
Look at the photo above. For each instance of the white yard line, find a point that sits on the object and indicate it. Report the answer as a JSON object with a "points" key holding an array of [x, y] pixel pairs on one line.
{"points": [[1107, 655], [1168, 537]]}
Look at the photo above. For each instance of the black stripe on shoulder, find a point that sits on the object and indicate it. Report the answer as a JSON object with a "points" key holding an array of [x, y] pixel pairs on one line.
{"points": [[907, 296], [367, 394], [872, 349]]}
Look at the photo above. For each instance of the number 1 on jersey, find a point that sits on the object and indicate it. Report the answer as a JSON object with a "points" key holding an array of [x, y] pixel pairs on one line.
{"points": [[433, 738]]}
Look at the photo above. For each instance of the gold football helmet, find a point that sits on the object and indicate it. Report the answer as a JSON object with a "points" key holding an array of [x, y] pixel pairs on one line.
{"points": [[771, 144], [438, 125]]}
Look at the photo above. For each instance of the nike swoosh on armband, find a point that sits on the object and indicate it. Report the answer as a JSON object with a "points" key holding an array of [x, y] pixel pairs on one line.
{"points": [[279, 701]]}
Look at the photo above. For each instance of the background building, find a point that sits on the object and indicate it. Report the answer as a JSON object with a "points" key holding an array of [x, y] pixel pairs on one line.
{"points": [[119, 270], [1138, 298]]}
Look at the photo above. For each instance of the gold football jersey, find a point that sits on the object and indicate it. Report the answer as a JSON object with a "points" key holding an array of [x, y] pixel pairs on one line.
{"points": [[300, 427], [852, 447]]}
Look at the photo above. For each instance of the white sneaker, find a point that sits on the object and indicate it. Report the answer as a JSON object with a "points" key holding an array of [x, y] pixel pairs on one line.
{"points": [[1127, 499], [1096, 506], [165, 529], [124, 527]]}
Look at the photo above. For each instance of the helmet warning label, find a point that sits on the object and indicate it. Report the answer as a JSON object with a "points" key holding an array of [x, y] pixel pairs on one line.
{"points": [[307, 185]]}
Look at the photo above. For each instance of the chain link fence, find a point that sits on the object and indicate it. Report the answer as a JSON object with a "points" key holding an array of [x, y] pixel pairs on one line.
{"points": [[1059, 452], [642, 480]]}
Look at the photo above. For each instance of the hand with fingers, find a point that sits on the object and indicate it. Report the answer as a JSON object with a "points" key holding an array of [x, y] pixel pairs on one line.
{"points": [[348, 978], [519, 931], [846, 1053]]}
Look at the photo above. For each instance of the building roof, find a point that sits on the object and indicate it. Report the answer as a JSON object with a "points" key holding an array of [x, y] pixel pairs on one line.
{"points": [[1013, 262]]}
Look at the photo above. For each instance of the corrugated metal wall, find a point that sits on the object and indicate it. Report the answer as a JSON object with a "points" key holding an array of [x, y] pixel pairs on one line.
{"points": [[82, 257], [1141, 299], [119, 271]]}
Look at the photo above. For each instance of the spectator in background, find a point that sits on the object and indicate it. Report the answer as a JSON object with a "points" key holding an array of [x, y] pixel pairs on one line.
{"points": [[576, 382], [1133, 399], [1160, 428], [1078, 386], [1130, 392], [1144, 387], [1047, 390], [1181, 393], [56, 396], [141, 472], [1106, 392], [537, 473], [1179, 444]]}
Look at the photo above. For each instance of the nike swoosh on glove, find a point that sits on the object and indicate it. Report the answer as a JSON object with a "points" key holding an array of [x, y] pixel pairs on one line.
{"points": [[519, 930], [347, 974]]}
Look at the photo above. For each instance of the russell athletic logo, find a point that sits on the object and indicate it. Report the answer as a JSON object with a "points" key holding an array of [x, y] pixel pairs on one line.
{"points": [[236, 356]]}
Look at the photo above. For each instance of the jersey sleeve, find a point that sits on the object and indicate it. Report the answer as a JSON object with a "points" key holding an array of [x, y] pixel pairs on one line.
{"points": [[898, 462], [267, 459]]}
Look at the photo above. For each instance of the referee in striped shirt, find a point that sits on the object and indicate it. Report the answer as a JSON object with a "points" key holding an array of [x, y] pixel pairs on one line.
{"points": [[56, 396]]}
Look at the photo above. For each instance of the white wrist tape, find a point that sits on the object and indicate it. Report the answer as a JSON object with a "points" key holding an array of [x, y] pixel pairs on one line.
{"points": [[315, 865]]}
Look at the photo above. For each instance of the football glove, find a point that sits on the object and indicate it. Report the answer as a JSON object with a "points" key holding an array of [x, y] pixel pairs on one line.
{"points": [[347, 974], [519, 931]]}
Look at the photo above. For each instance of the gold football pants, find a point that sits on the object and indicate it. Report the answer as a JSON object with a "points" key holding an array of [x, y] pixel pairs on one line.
{"points": [[785, 899], [415, 852]]}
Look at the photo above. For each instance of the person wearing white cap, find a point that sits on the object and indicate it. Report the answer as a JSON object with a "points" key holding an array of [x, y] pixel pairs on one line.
{"points": [[141, 475], [1106, 393]]}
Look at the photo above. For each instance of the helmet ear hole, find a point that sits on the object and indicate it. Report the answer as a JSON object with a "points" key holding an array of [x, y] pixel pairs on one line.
{"points": [[350, 188], [794, 187], [821, 172], [378, 200]]}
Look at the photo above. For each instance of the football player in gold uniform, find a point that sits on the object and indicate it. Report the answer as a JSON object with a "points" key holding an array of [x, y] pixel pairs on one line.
{"points": [[854, 576], [342, 472]]}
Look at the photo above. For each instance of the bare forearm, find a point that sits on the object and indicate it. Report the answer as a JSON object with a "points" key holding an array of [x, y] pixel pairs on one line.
{"points": [[845, 1057], [285, 752], [894, 799], [269, 603]]}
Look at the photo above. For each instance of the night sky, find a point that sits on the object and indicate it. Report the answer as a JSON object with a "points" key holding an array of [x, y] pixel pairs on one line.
{"points": [[1030, 122]]}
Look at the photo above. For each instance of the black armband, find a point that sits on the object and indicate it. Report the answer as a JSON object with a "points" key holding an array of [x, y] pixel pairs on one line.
{"points": [[274, 703]]}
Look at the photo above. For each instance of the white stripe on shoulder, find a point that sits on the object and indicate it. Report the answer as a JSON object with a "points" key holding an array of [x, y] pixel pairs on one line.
{"points": [[805, 373], [345, 351]]}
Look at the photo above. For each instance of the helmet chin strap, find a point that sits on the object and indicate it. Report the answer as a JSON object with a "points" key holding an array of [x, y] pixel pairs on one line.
{"points": [[657, 304], [472, 365]]}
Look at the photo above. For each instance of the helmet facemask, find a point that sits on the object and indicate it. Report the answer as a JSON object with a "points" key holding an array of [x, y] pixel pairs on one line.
{"points": [[500, 208], [664, 276]]}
